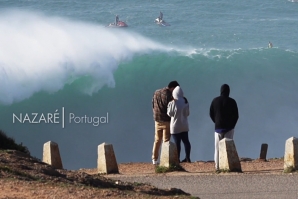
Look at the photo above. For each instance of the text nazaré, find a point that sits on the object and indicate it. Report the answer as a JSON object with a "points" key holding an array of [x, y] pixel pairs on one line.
{"points": [[56, 118]]}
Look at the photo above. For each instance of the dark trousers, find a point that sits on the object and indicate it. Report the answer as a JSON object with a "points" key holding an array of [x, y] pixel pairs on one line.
{"points": [[184, 137]]}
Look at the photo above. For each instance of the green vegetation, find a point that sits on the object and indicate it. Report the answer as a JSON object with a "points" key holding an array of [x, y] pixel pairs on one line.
{"points": [[223, 171], [228, 171], [138, 184], [275, 158], [9, 143], [15, 172], [289, 169], [171, 168]]}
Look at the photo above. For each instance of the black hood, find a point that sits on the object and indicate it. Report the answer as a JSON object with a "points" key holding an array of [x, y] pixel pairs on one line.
{"points": [[225, 90]]}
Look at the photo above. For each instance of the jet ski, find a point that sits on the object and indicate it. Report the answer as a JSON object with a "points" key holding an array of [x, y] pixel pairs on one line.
{"points": [[120, 24], [161, 22]]}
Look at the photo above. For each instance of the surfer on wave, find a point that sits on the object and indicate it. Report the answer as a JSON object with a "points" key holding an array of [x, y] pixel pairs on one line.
{"points": [[116, 20], [270, 45], [160, 16]]}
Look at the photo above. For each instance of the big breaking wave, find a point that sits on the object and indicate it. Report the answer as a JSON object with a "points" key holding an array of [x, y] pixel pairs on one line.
{"points": [[42, 53]]}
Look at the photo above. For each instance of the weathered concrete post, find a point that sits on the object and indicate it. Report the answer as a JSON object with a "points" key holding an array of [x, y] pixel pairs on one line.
{"points": [[291, 155], [169, 155], [106, 161], [263, 152], [228, 156], [51, 155]]}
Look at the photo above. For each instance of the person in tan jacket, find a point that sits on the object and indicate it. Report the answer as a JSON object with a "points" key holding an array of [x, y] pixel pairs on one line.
{"points": [[160, 101]]}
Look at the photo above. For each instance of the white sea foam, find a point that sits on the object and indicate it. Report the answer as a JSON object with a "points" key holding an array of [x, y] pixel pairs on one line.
{"points": [[42, 53]]}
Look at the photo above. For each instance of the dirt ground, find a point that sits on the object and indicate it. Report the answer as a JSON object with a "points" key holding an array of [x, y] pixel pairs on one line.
{"points": [[203, 167], [22, 176]]}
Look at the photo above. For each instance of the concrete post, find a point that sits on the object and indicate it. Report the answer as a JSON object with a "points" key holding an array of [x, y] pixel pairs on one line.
{"points": [[51, 155], [291, 155], [263, 152], [106, 162], [228, 156], [169, 155]]}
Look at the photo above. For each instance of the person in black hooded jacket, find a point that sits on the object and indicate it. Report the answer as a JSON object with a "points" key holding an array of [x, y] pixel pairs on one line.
{"points": [[224, 114]]}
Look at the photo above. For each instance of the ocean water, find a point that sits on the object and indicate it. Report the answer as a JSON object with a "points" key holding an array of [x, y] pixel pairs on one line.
{"points": [[86, 84]]}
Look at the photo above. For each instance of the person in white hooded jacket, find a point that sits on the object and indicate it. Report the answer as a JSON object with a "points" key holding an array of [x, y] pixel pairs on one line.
{"points": [[178, 110]]}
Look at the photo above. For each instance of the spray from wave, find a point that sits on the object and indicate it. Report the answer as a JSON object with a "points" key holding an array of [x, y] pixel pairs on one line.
{"points": [[41, 53]]}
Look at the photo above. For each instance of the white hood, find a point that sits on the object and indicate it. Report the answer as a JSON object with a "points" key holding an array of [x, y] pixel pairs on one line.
{"points": [[178, 110], [177, 93]]}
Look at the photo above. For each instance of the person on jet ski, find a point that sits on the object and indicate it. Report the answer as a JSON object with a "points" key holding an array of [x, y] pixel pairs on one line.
{"points": [[160, 17], [116, 20]]}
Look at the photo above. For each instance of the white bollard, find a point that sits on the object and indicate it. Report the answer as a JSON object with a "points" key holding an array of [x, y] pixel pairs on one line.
{"points": [[106, 162]]}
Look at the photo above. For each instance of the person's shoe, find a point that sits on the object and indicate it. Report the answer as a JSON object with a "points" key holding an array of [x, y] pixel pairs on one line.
{"points": [[186, 160], [154, 161]]}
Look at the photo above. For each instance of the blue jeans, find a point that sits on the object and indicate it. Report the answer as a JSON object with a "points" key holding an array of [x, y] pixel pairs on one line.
{"points": [[184, 137]]}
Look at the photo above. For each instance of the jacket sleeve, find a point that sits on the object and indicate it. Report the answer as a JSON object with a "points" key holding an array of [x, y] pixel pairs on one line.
{"points": [[186, 110], [153, 101], [171, 108], [235, 113], [211, 112], [169, 97]]}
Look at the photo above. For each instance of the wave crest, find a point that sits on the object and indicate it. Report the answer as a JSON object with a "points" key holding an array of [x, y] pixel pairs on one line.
{"points": [[42, 53]]}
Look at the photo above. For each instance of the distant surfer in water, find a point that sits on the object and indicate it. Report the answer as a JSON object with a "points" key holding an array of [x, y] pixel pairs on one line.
{"points": [[160, 16], [270, 45], [116, 20]]}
